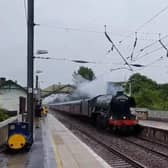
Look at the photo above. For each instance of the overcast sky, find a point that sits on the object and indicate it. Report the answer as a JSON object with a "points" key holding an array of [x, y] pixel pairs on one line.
{"points": [[73, 29]]}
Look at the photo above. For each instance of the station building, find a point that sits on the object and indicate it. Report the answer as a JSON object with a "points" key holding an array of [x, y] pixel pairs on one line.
{"points": [[10, 94]]}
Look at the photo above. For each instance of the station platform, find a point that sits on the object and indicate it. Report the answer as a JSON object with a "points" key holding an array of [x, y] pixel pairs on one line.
{"points": [[154, 130], [54, 147], [63, 149], [154, 124]]}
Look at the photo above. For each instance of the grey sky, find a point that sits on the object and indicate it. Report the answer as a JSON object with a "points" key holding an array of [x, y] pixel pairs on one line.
{"points": [[122, 17]]}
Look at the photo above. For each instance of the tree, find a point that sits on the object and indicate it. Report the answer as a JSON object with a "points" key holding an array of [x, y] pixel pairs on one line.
{"points": [[140, 82], [148, 93], [85, 72]]}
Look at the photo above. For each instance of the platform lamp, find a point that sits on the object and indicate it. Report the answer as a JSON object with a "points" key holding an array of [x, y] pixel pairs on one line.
{"points": [[131, 81], [37, 85], [39, 52], [37, 88]]}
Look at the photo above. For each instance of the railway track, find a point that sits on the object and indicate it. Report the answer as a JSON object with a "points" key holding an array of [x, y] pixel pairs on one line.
{"points": [[152, 141], [147, 147], [120, 160], [114, 149], [117, 158]]}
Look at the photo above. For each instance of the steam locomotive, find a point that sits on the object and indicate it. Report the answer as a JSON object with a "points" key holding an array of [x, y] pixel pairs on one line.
{"points": [[106, 111]]}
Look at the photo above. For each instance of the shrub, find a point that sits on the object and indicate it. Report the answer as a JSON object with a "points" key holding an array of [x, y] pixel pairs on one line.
{"points": [[3, 115]]}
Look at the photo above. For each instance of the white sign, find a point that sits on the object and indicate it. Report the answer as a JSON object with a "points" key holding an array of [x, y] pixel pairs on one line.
{"points": [[30, 90]]}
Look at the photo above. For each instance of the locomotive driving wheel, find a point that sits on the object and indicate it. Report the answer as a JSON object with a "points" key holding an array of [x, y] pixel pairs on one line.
{"points": [[101, 121]]}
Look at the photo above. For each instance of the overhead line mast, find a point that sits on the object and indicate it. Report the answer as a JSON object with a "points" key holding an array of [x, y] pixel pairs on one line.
{"points": [[118, 51], [30, 65]]}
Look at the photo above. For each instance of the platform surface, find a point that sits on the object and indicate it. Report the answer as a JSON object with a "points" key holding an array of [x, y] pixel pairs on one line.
{"points": [[154, 124], [69, 151]]}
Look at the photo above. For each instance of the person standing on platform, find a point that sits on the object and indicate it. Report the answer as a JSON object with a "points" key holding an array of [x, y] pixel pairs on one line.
{"points": [[37, 114]]}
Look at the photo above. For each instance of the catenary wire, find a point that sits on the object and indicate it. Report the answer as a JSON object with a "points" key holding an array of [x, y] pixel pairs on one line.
{"points": [[147, 22], [151, 63], [76, 29], [138, 57], [74, 60], [151, 44]]}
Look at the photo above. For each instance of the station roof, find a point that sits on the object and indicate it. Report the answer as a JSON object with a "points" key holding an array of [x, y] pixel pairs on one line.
{"points": [[9, 84]]}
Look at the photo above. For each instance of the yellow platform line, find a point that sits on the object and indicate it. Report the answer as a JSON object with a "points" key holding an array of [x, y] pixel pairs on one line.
{"points": [[56, 153]]}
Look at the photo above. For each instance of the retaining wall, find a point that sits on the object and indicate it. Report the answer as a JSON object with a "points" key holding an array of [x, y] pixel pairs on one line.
{"points": [[158, 115], [155, 134], [4, 130], [143, 114]]}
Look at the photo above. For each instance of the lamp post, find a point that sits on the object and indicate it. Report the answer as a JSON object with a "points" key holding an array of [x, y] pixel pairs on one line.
{"points": [[38, 94], [30, 66], [38, 85], [131, 83]]}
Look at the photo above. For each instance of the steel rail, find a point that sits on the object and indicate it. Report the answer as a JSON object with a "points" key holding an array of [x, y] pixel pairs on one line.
{"points": [[123, 156], [146, 148]]}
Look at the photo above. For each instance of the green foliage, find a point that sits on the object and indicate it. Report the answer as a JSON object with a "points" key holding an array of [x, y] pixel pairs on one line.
{"points": [[139, 82], [3, 115], [148, 93], [86, 73]]}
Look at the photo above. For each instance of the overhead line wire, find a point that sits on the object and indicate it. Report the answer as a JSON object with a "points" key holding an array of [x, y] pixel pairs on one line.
{"points": [[151, 63], [65, 59], [151, 44], [152, 18], [71, 28], [148, 53], [73, 60], [145, 23], [92, 31]]}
